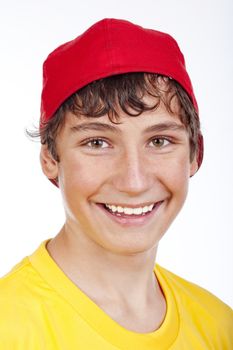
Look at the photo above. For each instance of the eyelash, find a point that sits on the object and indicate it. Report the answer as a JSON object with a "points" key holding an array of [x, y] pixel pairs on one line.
{"points": [[162, 138], [102, 139], [93, 139]]}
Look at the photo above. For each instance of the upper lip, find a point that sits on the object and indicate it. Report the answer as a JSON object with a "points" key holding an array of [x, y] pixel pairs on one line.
{"points": [[131, 205]]}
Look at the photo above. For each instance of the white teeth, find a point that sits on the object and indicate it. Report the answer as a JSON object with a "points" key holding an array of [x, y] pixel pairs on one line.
{"points": [[145, 209], [138, 211], [113, 208], [150, 207], [130, 211], [120, 209]]}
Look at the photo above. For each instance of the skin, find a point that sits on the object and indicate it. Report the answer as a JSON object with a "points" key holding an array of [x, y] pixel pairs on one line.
{"points": [[113, 264]]}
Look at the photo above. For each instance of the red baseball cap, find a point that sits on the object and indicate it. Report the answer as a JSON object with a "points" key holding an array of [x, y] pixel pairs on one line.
{"points": [[110, 47]]}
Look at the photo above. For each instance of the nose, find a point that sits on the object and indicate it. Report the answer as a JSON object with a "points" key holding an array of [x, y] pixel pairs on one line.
{"points": [[134, 172]]}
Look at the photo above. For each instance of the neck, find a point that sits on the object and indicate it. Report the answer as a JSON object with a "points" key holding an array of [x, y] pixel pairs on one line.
{"points": [[125, 278]]}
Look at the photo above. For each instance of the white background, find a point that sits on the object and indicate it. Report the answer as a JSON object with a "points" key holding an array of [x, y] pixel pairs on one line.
{"points": [[198, 245]]}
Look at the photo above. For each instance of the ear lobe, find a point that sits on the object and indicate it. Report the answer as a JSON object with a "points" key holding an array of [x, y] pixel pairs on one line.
{"points": [[193, 167], [48, 163]]}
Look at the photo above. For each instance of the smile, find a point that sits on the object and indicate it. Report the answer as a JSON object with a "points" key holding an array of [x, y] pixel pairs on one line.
{"points": [[129, 211], [127, 216]]}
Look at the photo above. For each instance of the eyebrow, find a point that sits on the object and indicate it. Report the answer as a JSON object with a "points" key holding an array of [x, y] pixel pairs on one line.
{"points": [[95, 126], [163, 127], [107, 127]]}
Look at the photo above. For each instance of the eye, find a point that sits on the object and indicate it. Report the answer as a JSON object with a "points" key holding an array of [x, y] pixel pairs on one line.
{"points": [[159, 142], [95, 143]]}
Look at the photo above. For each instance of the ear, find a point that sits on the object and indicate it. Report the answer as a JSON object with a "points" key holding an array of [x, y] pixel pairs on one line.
{"points": [[193, 167], [48, 163]]}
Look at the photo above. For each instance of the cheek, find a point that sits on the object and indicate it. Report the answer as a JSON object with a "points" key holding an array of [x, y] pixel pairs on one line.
{"points": [[176, 175], [79, 176]]}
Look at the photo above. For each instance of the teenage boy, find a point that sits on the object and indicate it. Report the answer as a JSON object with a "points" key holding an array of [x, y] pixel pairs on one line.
{"points": [[120, 137]]}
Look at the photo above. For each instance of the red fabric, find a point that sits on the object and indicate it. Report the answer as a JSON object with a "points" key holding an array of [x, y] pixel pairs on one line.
{"points": [[109, 47]]}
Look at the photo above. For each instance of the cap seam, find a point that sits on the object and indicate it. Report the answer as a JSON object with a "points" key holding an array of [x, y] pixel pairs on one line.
{"points": [[107, 43]]}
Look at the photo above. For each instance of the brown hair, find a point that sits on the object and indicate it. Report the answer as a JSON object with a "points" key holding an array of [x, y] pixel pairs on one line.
{"points": [[124, 91]]}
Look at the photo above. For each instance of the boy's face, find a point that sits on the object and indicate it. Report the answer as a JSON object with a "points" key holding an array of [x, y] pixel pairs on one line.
{"points": [[127, 166]]}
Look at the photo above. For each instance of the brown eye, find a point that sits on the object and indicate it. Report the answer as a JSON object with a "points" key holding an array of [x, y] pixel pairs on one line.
{"points": [[95, 143], [159, 142]]}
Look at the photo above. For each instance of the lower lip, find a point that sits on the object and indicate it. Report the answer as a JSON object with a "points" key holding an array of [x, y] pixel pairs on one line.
{"points": [[132, 220]]}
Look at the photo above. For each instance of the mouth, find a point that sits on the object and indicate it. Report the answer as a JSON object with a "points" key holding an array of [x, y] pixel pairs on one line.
{"points": [[129, 211], [130, 216]]}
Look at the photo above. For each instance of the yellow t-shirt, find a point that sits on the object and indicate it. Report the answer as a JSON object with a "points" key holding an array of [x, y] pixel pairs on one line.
{"points": [[41, 309]]}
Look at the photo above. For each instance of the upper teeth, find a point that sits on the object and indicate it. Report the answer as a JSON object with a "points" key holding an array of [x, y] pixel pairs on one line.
{"points": [[125, 210]]}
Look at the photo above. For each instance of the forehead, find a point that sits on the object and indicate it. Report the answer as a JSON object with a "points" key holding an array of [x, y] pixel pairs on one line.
{"points": [[158, 119]]}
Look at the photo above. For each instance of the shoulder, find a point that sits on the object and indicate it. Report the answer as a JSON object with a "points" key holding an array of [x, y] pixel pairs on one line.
{"points": [[23, 281], [22, 285], [20, 303], [12, 280], [20, 292], [196, 300], [16, 288], [13, 299]]}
